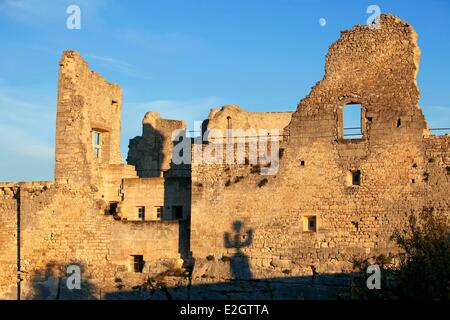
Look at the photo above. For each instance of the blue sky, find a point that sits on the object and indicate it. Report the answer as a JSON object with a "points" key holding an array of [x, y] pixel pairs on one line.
{"points": [[182, 57]]}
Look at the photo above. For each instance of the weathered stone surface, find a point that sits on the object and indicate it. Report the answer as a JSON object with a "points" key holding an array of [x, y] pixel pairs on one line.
{"points": [[234, 222], [151, 153], [376, 68]]}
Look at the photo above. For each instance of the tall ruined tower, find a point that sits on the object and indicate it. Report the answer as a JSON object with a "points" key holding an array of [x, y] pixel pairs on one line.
{"points": [[87, 121], [88, 125]]}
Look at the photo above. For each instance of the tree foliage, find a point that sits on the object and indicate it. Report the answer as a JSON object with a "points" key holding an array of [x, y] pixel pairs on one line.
{"points": [[424, 271], [423, 264]]}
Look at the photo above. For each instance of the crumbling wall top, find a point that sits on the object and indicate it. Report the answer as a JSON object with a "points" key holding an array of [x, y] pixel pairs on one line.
{"points": [[88, 115], [373, 52], [375, 66], [233, 117]]}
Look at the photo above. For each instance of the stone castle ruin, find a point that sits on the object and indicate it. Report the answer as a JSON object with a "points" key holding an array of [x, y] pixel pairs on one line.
{"points": [[332, 199]]}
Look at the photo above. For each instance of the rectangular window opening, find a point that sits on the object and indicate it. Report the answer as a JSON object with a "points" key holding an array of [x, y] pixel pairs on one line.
{"points": [[114, 105], [352, 126], [113, 208], [159, 212], [97, 143], [141, 213], [229, 123], [310, 223], [96, 138], [356, 178], [138, 263]]}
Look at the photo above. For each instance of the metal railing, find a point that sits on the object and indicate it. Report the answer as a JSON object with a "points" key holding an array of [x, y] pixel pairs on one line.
{"points": [[346, 134]]}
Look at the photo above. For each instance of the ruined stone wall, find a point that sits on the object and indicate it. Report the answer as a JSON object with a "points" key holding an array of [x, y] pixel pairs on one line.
{"points": [[436, 173], [86, 103], [67, 221], [243, 224], [151, 193], [265, 216], [151, 153], [111, 178], [134, 238], [62, 226], [233, 117], [251, 151]]}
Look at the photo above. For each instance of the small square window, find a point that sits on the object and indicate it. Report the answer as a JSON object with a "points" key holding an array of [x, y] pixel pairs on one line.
{"points": [[113, 208], [138, 263], [141, 213], [309, 223]]}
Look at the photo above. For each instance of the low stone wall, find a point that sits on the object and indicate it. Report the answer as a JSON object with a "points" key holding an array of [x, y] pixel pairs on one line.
{"points": [[61, 225]]}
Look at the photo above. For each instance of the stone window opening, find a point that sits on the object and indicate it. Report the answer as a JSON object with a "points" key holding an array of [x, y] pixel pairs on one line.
{"points": [[112, 210], [159, 212], [138, 263], [229, 123], [302, 163], [97, 143], [114, 105], [309, 223], [229, 134], [352, 121], [399, 123], [355, 177], [141, 213], [177, 212]]}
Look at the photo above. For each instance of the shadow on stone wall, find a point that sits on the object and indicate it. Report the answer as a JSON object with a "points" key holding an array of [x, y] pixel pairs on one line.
{"points": [[325, 287], [177, 192], [146, 152], [151, 153], [51, 283], [239, 264], [151, 156]]}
